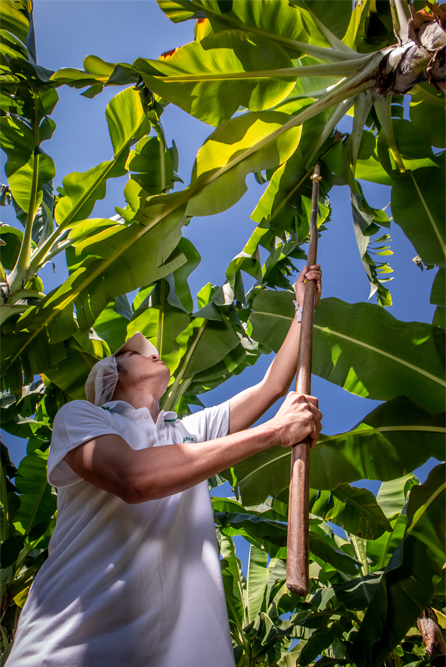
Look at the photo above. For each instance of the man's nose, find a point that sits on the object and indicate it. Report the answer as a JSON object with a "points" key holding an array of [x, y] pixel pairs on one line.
{"points": [[154, 357]]}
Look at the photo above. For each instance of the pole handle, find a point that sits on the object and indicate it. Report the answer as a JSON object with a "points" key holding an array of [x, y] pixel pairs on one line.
{"points": [[297, 574]]}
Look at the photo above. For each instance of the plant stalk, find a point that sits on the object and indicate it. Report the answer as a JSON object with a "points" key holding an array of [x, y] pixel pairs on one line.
{"points": [[400, 19], [20, 273], [171, 400], [4, 496], [159, 340], [41, 254], [342, 68]]}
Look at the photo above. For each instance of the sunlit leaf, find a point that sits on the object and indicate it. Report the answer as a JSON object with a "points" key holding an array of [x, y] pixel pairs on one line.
{"points": [[212, 78]]}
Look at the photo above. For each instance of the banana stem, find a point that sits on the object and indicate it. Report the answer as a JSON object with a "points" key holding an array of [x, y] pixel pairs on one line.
{"points": [[19, 275], [159, 341], [171, 400]]}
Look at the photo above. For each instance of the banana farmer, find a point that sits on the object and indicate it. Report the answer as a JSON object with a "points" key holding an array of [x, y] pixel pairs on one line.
{"points": [[133, 575]]}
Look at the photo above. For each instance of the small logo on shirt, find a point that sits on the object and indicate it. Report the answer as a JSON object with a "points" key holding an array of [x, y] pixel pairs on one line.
{"points": [[188, 439]]}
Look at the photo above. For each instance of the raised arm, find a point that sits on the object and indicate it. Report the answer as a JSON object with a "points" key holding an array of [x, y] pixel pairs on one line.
{"points": [[109, 463], [249, 405]]}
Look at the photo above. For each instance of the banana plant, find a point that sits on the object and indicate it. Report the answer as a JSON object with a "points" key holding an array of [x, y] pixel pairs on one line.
{"points": [[267, 139], [39, 331], [257, 606], [345, 619], [291, 80], [28, 506], [280, 55]]}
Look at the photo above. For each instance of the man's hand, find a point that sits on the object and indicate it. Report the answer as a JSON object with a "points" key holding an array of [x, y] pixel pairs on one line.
{"points": [[314, 273], [297, 418]]}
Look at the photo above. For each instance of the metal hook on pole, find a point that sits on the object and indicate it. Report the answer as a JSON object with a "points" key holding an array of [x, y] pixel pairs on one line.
{"points": [[297, 575]]}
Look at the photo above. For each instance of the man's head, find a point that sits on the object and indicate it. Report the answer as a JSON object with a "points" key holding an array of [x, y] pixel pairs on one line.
{"points": [[135, 363]]}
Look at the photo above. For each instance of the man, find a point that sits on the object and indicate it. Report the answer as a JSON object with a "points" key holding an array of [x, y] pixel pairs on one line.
{"points": [[133, 576]]}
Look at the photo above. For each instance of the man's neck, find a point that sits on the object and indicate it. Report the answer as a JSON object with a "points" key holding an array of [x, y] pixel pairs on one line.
{"points": [[138, 400]]}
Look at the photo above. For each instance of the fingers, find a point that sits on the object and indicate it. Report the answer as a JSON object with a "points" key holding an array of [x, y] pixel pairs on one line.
{"points": [[312, 399], [301, 277], [314, 435], [314, 273], [310, 417]]}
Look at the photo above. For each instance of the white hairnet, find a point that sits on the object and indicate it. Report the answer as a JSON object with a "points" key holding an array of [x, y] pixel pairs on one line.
{"points": [[102, 381]]}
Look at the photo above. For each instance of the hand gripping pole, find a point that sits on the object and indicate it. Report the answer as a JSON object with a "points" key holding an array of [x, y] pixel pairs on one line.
{"points": [[297, 579]]}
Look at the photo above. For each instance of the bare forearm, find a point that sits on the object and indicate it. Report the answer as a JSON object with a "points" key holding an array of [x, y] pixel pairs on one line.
{"points": [[282, 370], [139, 475], [164, 471], [249, 405]]}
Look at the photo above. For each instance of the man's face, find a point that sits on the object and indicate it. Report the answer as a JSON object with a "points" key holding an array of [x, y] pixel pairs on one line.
{"points": [[134, 367]]}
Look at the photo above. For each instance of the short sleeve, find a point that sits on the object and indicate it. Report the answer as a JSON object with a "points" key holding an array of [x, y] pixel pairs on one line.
{"points": [[75, 423], [208, 424]]}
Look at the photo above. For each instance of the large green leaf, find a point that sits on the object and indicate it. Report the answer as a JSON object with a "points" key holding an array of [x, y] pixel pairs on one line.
{"points": [[357, 511], [81, 352], [438, 298], [385, 446], [397, 428], [232, 581], [111, 325], [12, 238], [97, 73], [16, 18], [276, 19], [354, 341], [408, 583], [127, 122], [428, 120], [210, 79], [392, 495], [20, 178], [37, 503], [272, 535], [155, 167], [120, 260], [256, 582], [357, 593], [237, 147], [335, 16], [418, 206]]}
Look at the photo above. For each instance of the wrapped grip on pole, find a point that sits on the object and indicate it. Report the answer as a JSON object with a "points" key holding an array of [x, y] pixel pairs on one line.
{"points": [[297, 578]]}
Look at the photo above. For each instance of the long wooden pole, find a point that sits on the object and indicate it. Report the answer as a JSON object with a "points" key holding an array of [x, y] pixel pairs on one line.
{"points": [[297, 579]]}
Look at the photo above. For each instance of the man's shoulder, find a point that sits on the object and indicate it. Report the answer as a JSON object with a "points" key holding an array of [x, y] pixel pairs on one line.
{"points": [[78, 408]]}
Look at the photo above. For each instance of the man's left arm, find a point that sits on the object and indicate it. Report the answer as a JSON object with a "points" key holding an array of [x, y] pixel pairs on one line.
{"points": [[249, 405]]}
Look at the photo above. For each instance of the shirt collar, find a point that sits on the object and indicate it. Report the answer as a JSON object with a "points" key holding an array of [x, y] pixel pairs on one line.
{"points": [[127, 410]]}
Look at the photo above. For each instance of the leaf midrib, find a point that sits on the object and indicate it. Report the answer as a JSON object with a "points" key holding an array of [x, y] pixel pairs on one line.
{"points": [[367, 346], [338, 436], [372, 348], [334, 70]]}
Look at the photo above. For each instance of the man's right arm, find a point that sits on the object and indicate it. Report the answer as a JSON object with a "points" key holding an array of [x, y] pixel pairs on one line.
{"points": [[109, 463]]}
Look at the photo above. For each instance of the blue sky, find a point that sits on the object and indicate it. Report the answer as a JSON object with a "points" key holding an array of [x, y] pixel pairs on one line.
{"points": [[122, 30]]}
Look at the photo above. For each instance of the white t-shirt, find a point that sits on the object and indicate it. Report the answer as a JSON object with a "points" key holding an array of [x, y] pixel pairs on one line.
{"points": [[127, 585]]}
